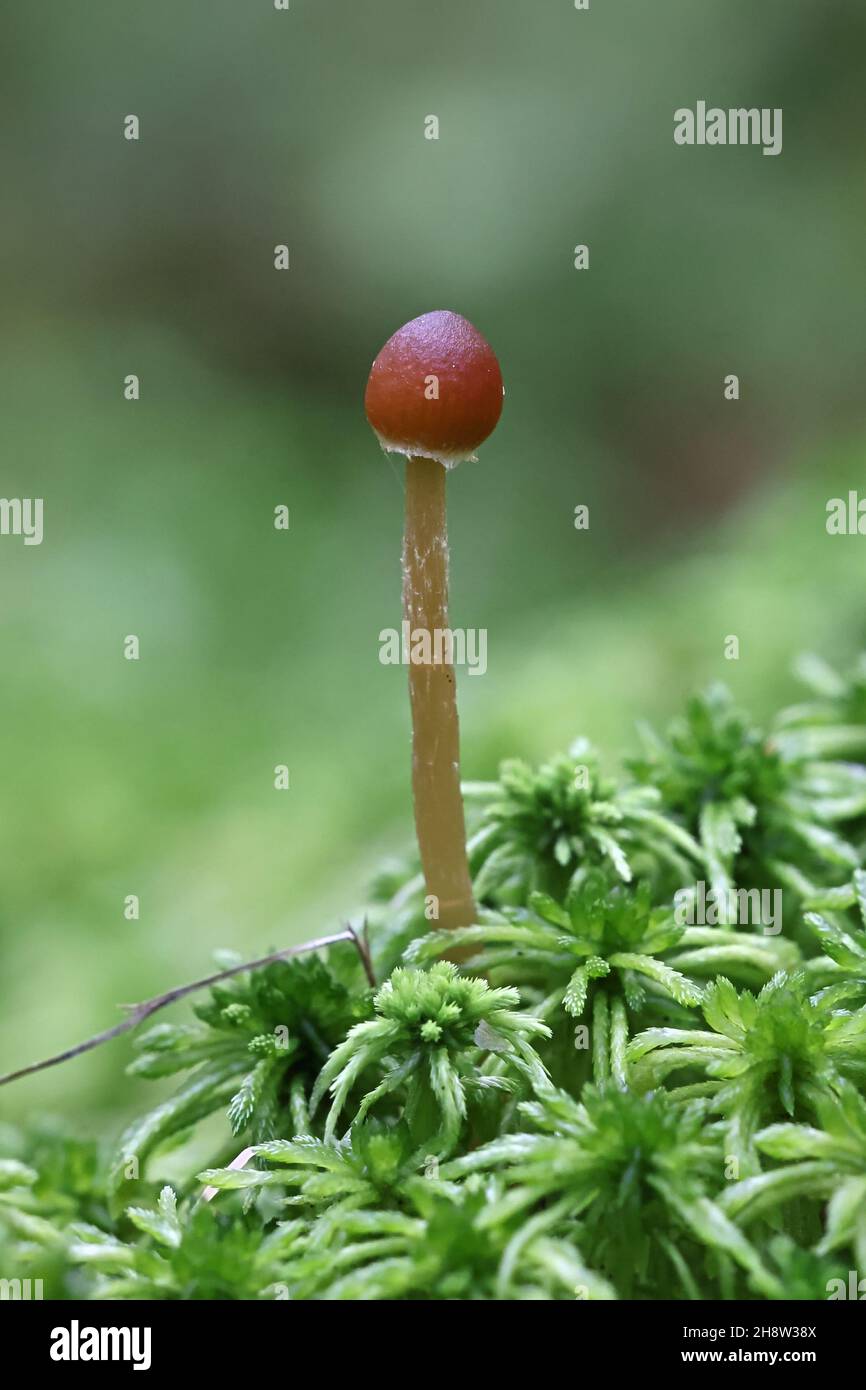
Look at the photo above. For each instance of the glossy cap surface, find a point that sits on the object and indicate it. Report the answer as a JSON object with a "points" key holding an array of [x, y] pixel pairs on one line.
{"points": [[435, 389]]}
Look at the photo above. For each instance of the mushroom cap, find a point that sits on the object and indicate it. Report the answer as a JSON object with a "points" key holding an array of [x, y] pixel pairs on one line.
{"points": [[435, 390]]}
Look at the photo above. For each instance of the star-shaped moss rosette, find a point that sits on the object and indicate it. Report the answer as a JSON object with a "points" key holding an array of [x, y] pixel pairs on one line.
{"points": [[826, 1160], [380, 1230], [629, 1174], [256, 1051], [763, 810], [446, 1250], [373, 1167], [763, 1057], [538, 827], [426, 1046], [609, 946]]}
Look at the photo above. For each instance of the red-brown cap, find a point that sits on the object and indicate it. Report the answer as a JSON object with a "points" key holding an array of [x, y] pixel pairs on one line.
{"points": [[435, 389]]}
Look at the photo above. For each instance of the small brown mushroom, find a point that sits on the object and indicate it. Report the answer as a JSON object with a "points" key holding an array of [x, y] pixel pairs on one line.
{"points": [[434, 394]]}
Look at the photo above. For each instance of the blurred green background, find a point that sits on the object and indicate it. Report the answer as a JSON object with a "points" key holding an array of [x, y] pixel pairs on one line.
{"points": [[261, 647]]}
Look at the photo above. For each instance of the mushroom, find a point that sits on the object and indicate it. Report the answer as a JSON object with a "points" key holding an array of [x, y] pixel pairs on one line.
{"points": [[434, 394]]}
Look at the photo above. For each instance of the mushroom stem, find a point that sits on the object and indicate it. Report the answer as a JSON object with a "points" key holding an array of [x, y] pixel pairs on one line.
{"points": [[439, 819]]}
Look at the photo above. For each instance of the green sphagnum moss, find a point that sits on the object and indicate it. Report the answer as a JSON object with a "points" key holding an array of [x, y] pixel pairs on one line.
{"points": [[602, 1101]]}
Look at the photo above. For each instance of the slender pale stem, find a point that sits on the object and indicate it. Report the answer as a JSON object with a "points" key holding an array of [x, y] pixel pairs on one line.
{"points": [[433, 694]]}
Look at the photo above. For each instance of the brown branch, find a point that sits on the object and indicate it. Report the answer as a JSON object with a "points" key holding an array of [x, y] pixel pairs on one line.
{"points": [[138, 1012], [362, 945]]}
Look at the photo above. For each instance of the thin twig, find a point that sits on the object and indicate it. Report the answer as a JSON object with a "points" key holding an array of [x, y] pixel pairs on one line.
{"points": [[138, 1012], [362, 944]]}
